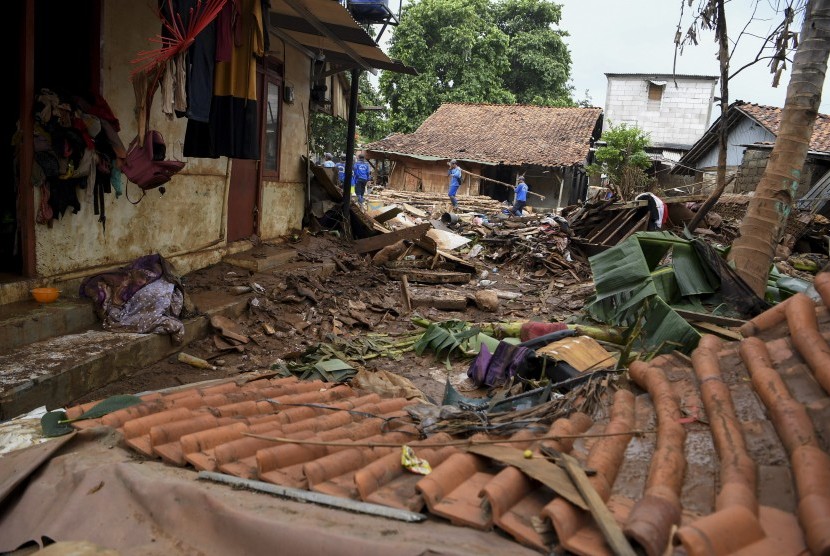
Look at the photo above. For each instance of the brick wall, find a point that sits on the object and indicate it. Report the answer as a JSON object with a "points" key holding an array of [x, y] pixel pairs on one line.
{"points": [[752, 168]]}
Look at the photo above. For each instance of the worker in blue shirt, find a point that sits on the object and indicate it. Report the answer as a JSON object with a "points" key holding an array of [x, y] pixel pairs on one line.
{"points": [[361, 176], [455, 181], [328, 163], [341, 171], [521, 197]]}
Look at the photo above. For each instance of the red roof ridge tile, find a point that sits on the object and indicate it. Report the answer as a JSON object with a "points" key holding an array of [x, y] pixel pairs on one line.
{"points": [[811, 465], [574, 527], [654, 516]]}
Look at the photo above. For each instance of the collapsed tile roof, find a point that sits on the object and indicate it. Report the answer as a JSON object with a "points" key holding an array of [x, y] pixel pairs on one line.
{"points": [[501, 134], [723, 455]]}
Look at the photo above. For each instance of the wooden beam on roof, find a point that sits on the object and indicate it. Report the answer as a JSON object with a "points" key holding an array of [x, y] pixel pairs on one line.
{"points": [[299, 7], [293, 42]]}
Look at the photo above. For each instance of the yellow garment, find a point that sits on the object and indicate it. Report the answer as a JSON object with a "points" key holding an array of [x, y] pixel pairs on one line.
{"points": [[237, 78]]}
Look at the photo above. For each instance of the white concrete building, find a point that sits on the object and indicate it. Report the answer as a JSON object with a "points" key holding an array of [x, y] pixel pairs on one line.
{"points": [[674, 109]]}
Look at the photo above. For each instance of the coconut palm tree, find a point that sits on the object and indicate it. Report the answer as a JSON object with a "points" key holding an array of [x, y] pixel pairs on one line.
{"points": [[763, 225]]}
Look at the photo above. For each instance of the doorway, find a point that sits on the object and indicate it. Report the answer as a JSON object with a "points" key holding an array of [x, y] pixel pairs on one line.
{"points": [[65, 58], [244, 195]]}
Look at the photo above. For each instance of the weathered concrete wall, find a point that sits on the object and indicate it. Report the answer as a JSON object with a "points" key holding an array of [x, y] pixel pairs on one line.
{"points": [[283, 201], [188, 221], [752, 168], [679, 117], [189, 216]]}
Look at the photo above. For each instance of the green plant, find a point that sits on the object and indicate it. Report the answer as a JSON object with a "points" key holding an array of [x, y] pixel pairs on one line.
{"points": [[623, 159]]}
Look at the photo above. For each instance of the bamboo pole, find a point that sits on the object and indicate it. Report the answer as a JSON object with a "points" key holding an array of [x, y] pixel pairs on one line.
{"points": [[542, 197]]}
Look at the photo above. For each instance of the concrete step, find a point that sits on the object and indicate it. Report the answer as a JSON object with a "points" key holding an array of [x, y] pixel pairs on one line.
{"points": [[28, 322], [59, 368]]}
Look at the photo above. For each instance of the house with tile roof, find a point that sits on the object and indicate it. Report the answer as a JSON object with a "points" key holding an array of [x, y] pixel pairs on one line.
{"points": [[494, 143], [752, 129]]}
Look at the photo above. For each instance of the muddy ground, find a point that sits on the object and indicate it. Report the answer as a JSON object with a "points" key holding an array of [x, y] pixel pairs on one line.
{"points": [[351, 299]]}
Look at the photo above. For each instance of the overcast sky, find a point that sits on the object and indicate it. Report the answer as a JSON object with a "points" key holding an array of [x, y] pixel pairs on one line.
{"points": [[637, 36]]}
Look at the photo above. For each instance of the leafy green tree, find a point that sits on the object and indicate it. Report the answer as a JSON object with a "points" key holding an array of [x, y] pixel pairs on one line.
{"points": [[623, 159], [328, 134], [372, 125], [476, 51], [540, 62], [460, 53]]}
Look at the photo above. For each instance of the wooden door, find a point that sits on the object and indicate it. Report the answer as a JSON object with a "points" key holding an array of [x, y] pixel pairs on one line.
{"points": [[246, 175]]}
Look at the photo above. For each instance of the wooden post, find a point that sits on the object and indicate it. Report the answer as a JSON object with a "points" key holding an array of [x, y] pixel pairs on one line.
{"points": [[407, 298]]}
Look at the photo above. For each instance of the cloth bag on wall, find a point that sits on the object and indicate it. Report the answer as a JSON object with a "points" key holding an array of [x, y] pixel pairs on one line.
{"points": [[145, 164]]}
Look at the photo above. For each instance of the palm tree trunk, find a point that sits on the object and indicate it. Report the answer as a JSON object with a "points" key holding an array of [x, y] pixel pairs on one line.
{"points": [[768, 210]]}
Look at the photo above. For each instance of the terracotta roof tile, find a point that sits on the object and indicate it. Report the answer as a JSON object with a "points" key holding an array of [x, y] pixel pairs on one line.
{"points": [[206, 428], [770, 118], [500, 133]]}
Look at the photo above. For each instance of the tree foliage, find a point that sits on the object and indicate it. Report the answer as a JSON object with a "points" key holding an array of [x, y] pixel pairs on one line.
{"points": [[623, 158], [540, 63], [372, 125], [476, 51]]}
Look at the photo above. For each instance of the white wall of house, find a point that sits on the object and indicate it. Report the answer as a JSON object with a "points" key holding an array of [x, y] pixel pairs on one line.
{"points": [[678, 117], [746, 132]]}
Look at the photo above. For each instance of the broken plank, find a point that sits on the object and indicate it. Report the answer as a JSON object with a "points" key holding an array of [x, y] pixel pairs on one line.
{"points": [[405, 295], [430, 276], [388, 215], [600, 512], [693, 316], [547, 473], [444, 301], [380, 241], [718, 330], [324, 178]]}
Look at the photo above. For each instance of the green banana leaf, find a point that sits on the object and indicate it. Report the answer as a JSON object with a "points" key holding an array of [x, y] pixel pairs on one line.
{"points": [[633, 287]]}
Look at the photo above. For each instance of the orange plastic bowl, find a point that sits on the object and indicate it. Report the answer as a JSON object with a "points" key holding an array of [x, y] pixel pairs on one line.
{"points": [[45, 295]]}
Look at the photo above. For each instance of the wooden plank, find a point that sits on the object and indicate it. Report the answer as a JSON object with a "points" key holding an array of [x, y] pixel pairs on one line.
{"points": [[324, 179], [430, 276], [693, 316], [405, 295], [443, 301], [380, 241], [613, 223], [388, 215], [596, 505], [718, 330], [547, 473], [640, 226]]}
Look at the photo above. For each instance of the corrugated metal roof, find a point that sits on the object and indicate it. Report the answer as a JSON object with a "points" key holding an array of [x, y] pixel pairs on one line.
{"points": [[501, 134]]}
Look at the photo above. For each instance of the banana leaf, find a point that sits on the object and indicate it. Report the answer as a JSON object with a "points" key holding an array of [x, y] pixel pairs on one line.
{"points": [[632, 287], [447, 337], [691, 274]]}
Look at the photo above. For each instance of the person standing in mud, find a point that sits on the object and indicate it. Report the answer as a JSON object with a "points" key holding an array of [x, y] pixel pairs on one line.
{"points": [[521, 197], [455, 182]]}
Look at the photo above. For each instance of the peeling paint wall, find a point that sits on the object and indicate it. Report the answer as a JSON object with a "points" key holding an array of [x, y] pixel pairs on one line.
{"points": [[188, 221], [187, 217], [283, 201]]}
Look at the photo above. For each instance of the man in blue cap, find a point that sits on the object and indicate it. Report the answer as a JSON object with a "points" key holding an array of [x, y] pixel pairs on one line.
{"points": [[455, 181], [521, 197]]}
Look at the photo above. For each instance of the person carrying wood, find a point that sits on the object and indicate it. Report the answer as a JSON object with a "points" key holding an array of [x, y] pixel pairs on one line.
{"points": [[521, 197], [455, 181]]}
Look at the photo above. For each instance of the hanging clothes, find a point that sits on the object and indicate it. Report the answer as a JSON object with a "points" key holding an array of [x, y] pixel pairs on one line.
{"points": [[232, 129]]}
